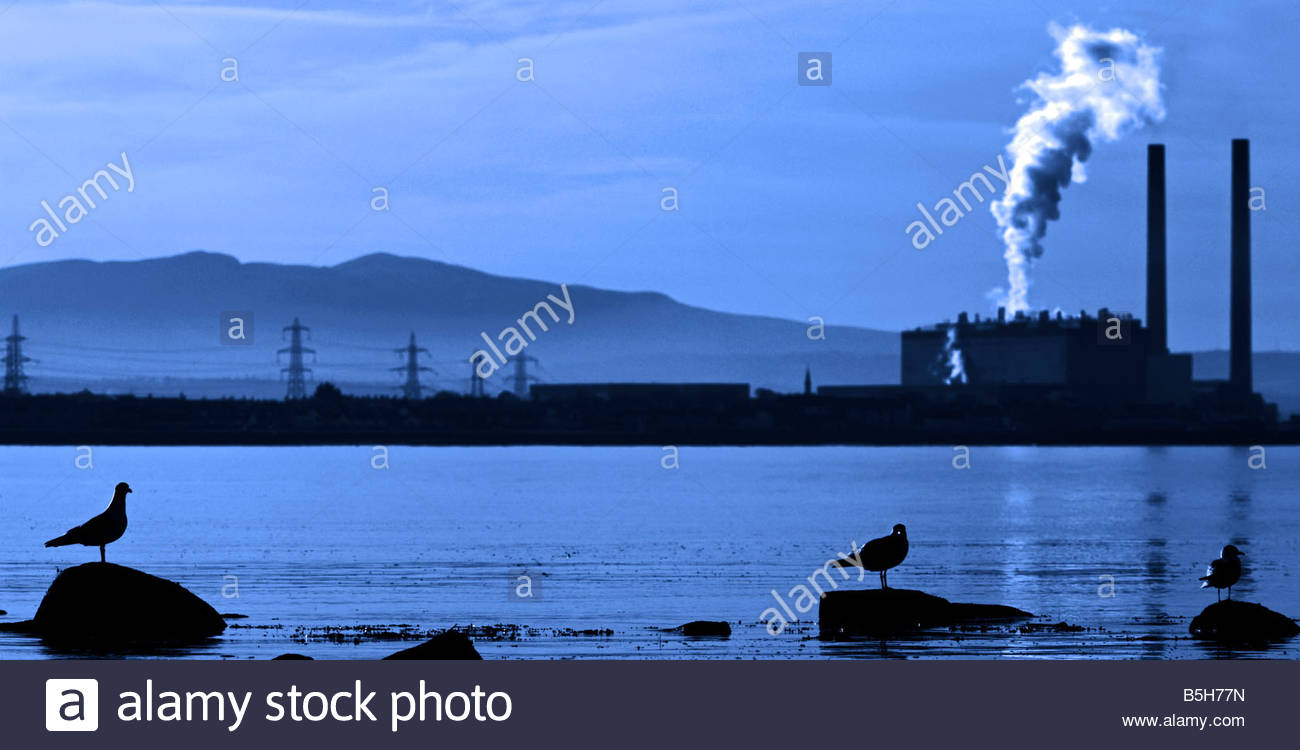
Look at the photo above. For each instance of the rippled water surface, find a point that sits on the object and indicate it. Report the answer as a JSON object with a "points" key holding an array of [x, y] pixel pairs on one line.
{"points": [[305, 541]]}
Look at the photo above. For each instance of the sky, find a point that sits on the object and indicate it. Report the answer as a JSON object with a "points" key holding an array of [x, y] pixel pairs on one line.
{"points": [[793, 201]]}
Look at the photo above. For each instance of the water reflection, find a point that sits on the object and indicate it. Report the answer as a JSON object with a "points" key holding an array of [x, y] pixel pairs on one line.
{"points": [[1154, 592], [1154, 586], [1246, 585], [1239, 506], [1019, 566]]}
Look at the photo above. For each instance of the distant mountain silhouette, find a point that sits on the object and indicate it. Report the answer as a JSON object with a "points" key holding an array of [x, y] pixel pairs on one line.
{"points": [[129, 324], [151, 326]]}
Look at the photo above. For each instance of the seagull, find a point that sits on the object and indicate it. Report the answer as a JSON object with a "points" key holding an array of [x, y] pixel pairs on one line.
{"points": [[1224, 571], [103, 529], [879, 554]]}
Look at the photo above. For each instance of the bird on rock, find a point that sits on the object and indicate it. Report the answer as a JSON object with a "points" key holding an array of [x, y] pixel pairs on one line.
{"points": [[103, 529], [1224, 571], [880, 555]]}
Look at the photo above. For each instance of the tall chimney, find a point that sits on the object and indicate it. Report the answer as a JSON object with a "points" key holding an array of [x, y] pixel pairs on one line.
{"points": [[1157, 305], [1239, 374]]}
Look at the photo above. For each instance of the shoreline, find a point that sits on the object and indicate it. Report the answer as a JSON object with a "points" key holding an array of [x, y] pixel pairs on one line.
{"points": [[661, 415]]}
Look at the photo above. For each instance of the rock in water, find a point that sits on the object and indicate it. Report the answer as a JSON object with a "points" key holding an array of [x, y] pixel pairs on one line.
{"points": [[1242, 622], [449, 644], [292, 657], [885, 611], [103, 605], [704, 628]]}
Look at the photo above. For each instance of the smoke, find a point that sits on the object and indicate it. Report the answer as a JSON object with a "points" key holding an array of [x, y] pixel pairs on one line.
{"points": [[952, 363], [1108, 84]]}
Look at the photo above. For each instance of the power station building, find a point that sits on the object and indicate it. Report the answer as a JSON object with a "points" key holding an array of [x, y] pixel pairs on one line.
{"points": [[1111, 357], [1106, 351]]}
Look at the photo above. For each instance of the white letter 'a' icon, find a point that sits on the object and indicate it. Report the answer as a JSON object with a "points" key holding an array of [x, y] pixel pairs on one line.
{"points": [[71, 705]]}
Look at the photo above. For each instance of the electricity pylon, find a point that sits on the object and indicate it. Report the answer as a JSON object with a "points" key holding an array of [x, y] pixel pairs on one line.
{"points": [[296, 371], [521, 376], [476, 380], [15, 378], [412, 368]]}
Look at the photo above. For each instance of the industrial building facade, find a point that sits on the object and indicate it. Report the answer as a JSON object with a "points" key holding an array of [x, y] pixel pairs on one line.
{"points": [[1107, 350]]}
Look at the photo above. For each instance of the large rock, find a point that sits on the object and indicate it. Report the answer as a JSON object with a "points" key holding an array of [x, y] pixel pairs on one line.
{"points": [[704, 628], [1232, 621], [449, 644], [99, 605], [885, 611]]}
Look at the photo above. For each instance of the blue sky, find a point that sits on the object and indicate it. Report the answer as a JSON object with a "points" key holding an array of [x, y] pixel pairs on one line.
{"points": [[794, 200]]}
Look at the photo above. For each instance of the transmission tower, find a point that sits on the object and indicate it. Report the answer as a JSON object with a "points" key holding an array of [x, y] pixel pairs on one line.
{"points": [[475, 381], [15, 380], [412, 368], [521, 376], [296, 371]]}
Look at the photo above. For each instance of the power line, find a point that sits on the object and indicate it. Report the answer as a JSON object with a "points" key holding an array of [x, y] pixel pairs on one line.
{"points": [[200, 350], [120, 350]]}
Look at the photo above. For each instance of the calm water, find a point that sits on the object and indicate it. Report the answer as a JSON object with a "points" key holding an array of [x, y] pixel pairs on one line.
{"points": [[308, 540]]}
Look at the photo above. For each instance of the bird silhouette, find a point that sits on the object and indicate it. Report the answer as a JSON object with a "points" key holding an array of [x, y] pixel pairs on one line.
{"points": [[103, 529], [1223, 572], [880, 554]]}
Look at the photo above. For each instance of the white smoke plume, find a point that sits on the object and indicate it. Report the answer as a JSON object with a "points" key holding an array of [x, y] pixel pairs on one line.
{"points": [[951, 361], [1108, 85]]}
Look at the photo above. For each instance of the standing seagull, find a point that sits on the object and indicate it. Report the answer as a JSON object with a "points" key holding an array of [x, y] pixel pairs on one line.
{"points": [[879, 554], [1223, 572], [103, 529]]}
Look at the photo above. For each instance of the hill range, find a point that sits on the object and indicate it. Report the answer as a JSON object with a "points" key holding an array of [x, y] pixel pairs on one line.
{"points": [[153, 327]]}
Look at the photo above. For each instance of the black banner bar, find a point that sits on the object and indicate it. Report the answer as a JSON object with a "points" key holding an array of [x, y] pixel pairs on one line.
{"points": [[648, 704]]}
